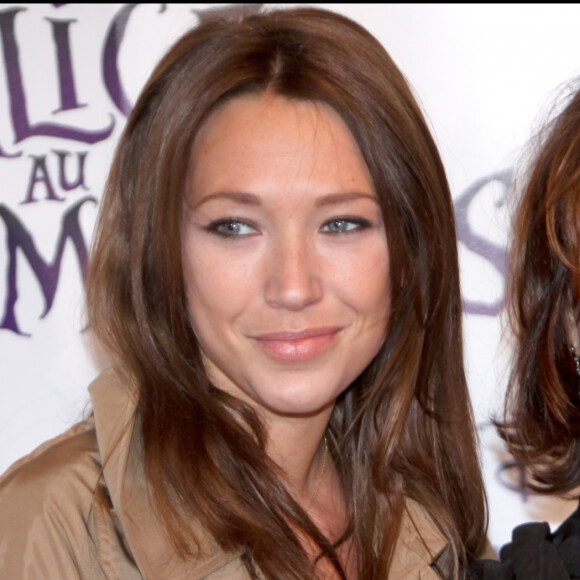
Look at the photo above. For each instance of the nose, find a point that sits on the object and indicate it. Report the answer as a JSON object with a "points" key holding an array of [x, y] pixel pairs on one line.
{"points": [[293, 279]]}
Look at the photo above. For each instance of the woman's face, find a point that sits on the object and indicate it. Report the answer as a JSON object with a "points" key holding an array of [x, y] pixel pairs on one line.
{"points": [[285, 255]]}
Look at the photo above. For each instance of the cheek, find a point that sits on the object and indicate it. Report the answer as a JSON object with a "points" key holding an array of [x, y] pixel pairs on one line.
{"points": [[364, 278], [377, 290], [215, 285], [201, 282]]}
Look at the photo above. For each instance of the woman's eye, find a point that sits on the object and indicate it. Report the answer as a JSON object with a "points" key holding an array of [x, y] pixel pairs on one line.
{"points": [[345, 225], [230, 228]]}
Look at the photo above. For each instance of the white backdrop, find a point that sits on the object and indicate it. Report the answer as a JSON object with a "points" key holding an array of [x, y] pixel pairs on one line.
{"points": [[70, 72]]}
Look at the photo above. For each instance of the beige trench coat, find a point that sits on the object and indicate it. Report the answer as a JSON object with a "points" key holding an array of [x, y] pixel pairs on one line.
{"points": [[77, 508]]}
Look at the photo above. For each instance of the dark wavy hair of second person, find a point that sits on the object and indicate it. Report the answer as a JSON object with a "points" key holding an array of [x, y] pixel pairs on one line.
{"points": [[403, 428], [541, 420], [542, 424]]}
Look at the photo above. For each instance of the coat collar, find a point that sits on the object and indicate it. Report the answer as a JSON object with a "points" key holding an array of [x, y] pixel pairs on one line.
{"points": [[114, 400], [420, 544], [114, 403]]}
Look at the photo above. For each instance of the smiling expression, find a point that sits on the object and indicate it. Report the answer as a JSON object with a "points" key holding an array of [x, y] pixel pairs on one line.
{"points": [[285, 254]]}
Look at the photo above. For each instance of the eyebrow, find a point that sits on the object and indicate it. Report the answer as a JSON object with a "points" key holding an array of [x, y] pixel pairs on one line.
{"points": [[335, 198], [251, 199], [239, 197]]}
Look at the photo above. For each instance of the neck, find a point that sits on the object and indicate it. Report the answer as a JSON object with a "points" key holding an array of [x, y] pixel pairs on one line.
{"points": [[297, 445]]}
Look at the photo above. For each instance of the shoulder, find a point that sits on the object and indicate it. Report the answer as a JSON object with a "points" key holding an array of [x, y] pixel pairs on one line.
{"points": [[63, 465], [45, 504]]}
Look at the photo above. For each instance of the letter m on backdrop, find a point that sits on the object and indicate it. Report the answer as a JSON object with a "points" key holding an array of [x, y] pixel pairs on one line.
{"points": [[47, 274]]}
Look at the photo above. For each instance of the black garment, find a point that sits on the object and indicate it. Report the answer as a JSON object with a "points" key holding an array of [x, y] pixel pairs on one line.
{"points": [[536, 554]]}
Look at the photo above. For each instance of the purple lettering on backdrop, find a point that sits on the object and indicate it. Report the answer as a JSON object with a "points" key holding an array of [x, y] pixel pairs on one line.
{"points": [[40, 175], [22, 128], [68, 96], [505, 473], [493, 253], [47, 274], [111, 76], [80, 180], [509, 473]]}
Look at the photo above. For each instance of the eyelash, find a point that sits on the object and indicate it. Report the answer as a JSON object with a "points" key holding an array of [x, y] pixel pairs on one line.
{"points": [[358, 223], [353, 224], [231, 224]]}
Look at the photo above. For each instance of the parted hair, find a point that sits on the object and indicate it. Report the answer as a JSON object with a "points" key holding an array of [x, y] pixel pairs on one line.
{"points": [[404, 428], [542, 421]]}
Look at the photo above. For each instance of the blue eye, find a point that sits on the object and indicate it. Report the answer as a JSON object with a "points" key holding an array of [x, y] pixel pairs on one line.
{"points": [[344, 225], [232, 228]]}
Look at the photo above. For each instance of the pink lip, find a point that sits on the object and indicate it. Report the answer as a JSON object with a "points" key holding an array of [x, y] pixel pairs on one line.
{"points": [[297, 346]]}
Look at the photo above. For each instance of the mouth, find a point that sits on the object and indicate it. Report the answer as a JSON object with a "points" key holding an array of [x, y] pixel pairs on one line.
{"points": [[298, 346]]}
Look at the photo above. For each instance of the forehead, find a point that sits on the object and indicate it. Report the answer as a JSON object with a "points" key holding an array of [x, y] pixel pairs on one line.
{"points": [[265, 140]]}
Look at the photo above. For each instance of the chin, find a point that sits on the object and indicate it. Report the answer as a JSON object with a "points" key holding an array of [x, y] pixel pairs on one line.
{"points": [[298, 408]]}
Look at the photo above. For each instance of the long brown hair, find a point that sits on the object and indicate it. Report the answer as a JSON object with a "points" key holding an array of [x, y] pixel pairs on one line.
{"points": [[404, 428], [542, 423]]}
